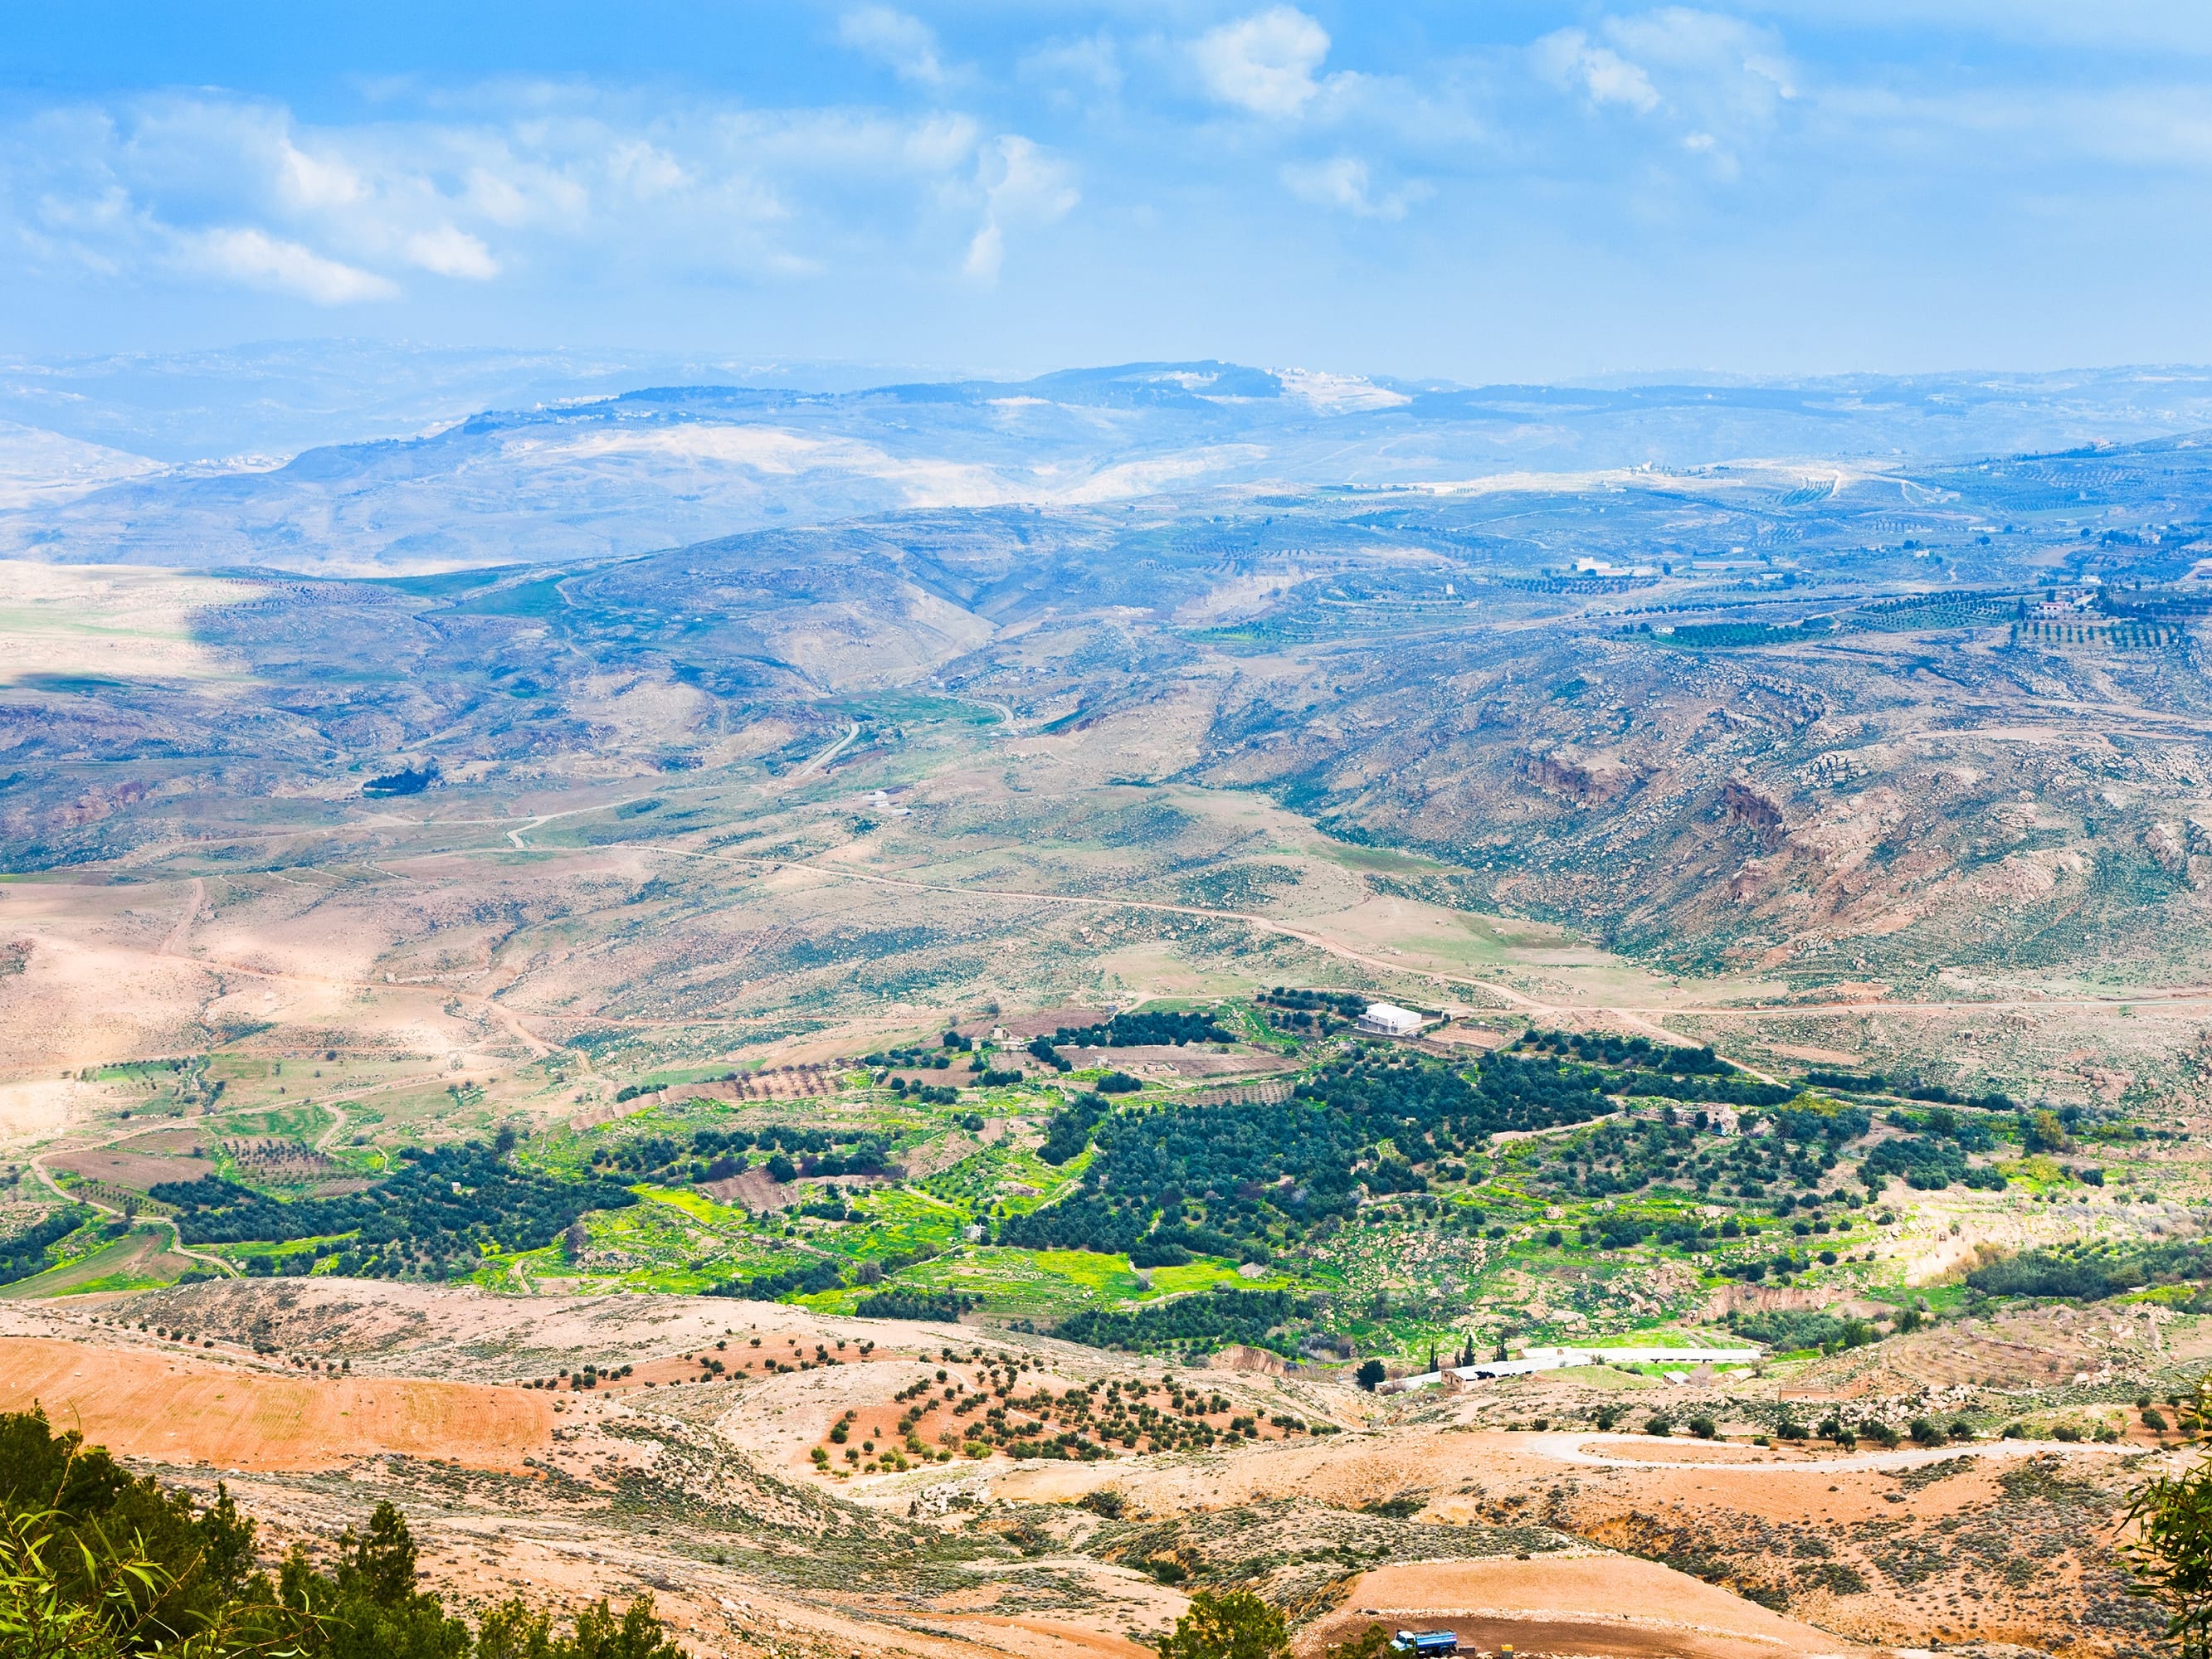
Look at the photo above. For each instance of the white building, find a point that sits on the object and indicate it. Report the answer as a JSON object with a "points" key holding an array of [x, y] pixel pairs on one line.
{"points": [[1386, 1019]]}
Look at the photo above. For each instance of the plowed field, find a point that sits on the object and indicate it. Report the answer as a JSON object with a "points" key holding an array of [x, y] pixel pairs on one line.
{"points": [[182, 1410]]}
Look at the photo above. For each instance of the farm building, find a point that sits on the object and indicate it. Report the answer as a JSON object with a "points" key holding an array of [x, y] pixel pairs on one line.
{"points": [[1386, 1019]]}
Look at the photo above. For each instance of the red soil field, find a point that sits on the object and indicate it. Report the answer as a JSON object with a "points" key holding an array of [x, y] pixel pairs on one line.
{"points": [[180, 1410]]}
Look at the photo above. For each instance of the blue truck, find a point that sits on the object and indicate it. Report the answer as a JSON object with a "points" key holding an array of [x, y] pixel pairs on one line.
{"points": [[1426, 1643]]}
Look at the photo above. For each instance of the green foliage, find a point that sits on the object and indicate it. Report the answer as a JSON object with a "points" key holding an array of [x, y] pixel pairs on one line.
{"points": [[1874, 1082], [85, 1521], [1971, 1131], [1069, 1132], [2087, 1273], [1603, 1049], [1310, 1013], [97, 1564], [369, 1608], [2171, 1554], [439, 1207], [1928, 1163], [511, 1631], [817, 1276], [711, 1154], [1789, 1331], [1727, 1090], [408, 780], [2040, 1272], [1193, 1324], [1290, 1163], [1722, 637], [1132, 1029], [939, 1307], [78, 1594], [1809, 1119], [30, 1252], [1173, 1246], [1233, 1625]]}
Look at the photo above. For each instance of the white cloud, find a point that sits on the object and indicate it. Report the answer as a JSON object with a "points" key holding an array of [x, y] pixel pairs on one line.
{"points": [[316, 181], [1264, 62], [1344, 182], [1071, 70], [906, 45], [1720, 84], [644, 169], [571, 180], [260, 260], [1026, 183], [451, 252], [1568, 58], [1706, 59], [987, 253], [1021, 185]]}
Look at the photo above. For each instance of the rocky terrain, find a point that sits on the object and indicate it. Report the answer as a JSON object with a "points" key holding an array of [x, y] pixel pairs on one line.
{"points": [[728, 991]]}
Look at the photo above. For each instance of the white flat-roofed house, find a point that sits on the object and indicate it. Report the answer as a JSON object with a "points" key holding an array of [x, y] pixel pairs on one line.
{"points": [[1386, 1020]]}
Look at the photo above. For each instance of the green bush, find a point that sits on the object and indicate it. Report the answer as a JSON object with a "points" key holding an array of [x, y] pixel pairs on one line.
{"points": [[97, 1564], [939, 1307], [1232, 1624]]}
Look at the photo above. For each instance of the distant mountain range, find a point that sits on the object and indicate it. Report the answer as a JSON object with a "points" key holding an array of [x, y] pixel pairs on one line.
{"points": [[652, 467]]}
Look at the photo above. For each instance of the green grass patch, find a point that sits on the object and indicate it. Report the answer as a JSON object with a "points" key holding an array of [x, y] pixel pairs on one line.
{"points": [[1204, 1273], [1602, 1377]]}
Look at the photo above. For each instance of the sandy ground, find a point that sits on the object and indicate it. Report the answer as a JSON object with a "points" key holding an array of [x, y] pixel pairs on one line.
{"points": [[1463, 1471], [94, 987], [409, 1329], [1600, 1605], [34, 1109], [183, 1410], [428, 1362], [716, 1611]]}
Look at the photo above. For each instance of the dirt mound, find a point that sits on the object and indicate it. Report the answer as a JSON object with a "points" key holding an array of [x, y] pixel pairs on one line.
{"points": [[1237, 1357], [1605, 1606], [753, 1189], [180, 1410]]}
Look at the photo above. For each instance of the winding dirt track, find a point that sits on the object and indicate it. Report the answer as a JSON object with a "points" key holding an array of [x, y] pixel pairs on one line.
{"points": [[176, 1246], [1647, 1017]]}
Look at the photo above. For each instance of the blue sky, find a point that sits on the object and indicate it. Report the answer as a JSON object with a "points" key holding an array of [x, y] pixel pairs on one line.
{"points": [[1477, 192]]}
